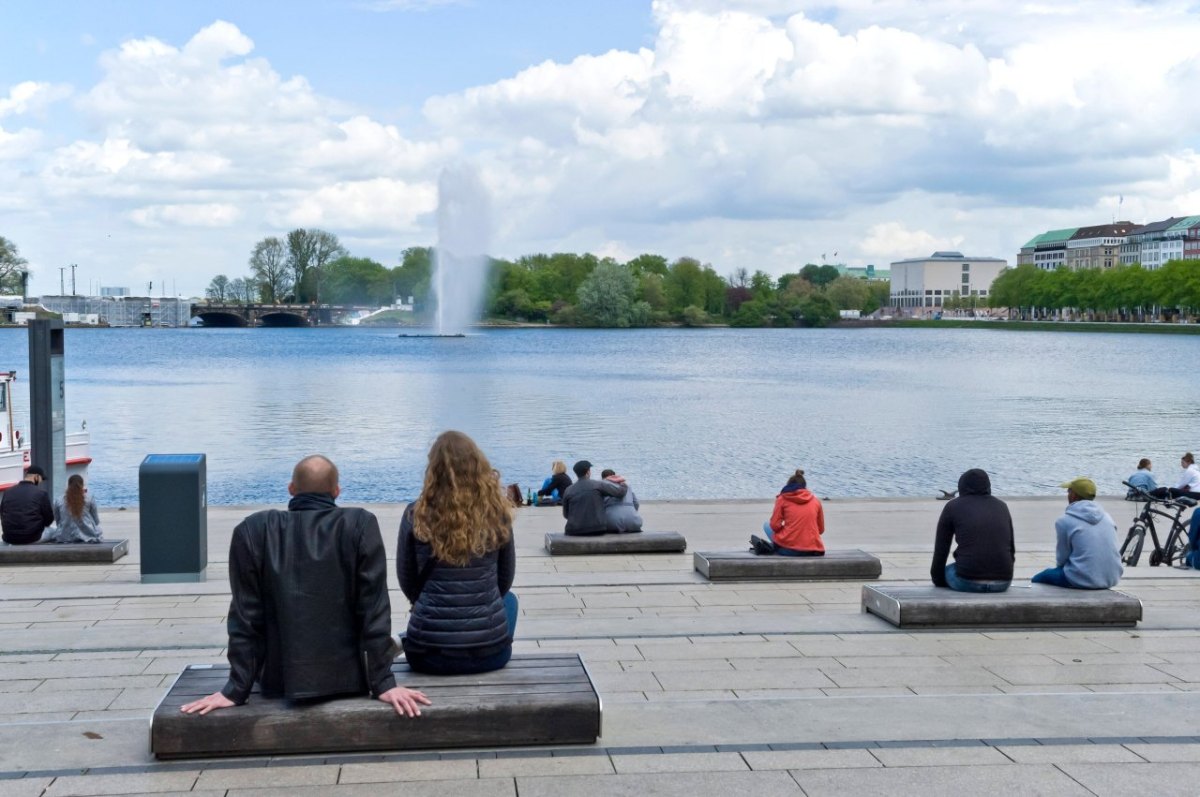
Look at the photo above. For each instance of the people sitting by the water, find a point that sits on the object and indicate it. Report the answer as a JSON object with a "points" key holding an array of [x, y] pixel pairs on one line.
{"points": [[75, 516], [1142, 481], [310, 616], [797, 521], [980, 525], [556, 484], [1086, 556], [621, 514], [1188, 484], [455, 559], [25, 510], [583, 502]]}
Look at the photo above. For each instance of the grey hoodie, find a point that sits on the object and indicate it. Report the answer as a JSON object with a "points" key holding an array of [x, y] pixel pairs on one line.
{"points": [[1087, 546]]}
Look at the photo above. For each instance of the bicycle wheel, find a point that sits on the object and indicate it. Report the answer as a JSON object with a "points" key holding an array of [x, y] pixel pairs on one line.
{"points": [[1131, 551], [1176, 546]]}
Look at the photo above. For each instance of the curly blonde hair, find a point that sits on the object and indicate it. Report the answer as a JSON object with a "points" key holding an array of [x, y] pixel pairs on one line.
{"points": [[461, 512]]}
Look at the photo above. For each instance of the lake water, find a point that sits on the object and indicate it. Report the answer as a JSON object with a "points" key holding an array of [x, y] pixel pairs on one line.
{"points": [[683, 413]]}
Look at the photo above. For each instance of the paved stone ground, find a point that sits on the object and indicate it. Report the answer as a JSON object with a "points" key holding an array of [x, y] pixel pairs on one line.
{"points": [[708, 688]]}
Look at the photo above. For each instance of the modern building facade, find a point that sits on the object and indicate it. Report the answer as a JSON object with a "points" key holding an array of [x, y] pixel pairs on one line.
{"points": [[927, 282], [1119, 243], [122, 311]]}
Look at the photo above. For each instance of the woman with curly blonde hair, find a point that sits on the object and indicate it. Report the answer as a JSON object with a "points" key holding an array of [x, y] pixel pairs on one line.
{"points": [[455, 560]]}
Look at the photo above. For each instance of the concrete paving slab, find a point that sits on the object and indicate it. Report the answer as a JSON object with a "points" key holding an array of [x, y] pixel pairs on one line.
{"points": [[81, 785], [262, 777], [1072, 753], [1136, 780], [25, 787], [810, 759], [760, 784], [54, 746], [403, 771], [687, 762], [495, 787], [1032, 780], [538, 767], [1158, 753]]}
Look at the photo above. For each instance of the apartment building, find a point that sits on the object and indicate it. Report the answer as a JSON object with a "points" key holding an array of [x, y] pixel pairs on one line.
{"points": [[1047, 251], [1098, 246]]}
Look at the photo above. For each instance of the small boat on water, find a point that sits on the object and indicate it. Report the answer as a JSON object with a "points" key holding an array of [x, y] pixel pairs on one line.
{"points": [[14, 447]]}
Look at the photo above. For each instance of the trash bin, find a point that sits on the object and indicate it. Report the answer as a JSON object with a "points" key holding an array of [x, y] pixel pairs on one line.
{"points": [[174, 518]]}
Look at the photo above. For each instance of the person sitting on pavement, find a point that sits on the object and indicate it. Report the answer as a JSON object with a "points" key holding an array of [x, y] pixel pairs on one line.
{"points": [[621, 514], [310, 616], [75, 515], [1086, 556], [583, 503], [25, 510], [555, 486], [797, 521], [1188, 485], [1142, 481], [455, 559], [982, 527]]}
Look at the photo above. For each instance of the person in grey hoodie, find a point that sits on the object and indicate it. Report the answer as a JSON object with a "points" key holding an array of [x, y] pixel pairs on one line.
{"points": [[583, 504], [621, 514], [1087, 554]]}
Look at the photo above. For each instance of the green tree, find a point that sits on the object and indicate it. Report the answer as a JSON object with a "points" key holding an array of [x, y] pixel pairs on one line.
{"points": [[817, 311], [13, 268], [357, 280], [308, 253], [268, 264], [693, 316], [651, 290], [218, 289], [648, 264], [819, 275], [848, 293], [685, 285], [243, 290], [412, 277], [607, 296]]}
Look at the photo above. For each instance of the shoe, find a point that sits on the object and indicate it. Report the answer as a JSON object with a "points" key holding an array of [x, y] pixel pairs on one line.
{"points": [[760, 546]]}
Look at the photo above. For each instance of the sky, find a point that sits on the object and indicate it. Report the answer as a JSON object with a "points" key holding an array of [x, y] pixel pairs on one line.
{"points": [[157, 142]]}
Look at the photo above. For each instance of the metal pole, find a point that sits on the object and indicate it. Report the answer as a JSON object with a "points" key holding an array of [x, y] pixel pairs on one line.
{"points": [[62, 289], [73, 279], [47, 401]]}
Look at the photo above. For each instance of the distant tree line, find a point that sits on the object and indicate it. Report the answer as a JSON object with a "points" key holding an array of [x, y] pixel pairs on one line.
{"points": [[13, 267], [1121, 293], [562, 288]]}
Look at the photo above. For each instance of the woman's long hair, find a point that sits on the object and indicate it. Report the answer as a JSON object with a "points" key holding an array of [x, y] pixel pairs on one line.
{"points": [[74, 496], [461, 512]]}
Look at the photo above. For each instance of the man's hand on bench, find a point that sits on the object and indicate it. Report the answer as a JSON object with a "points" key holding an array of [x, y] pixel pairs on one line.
{"points": [[407, 702], [206, 704]]}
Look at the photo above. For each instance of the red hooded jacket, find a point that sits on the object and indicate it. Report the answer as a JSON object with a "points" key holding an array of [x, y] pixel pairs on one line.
{"points": [[798, 521]]}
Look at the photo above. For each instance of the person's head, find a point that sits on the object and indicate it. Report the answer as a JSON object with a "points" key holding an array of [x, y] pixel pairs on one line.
{"points": [[1080, 489], [35, 474], [461, 513], [74, 496], [797, 479], [1187, 459], [604, 474], [1143, 464], [975, 482], [315, 474], [557, 467], [582, 469]]}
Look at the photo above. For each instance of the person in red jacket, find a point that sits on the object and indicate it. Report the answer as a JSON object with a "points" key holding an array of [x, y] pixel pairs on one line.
{"points": [[798, 521]]}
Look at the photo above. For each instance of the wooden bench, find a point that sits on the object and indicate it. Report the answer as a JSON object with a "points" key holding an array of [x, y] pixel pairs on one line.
{"points": [[850, 565], [638, 542], [1025, 605], [71, 553], [536, 699]]}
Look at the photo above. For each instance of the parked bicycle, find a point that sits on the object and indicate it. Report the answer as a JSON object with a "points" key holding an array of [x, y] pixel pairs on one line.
{"points": [[1170, 509]]}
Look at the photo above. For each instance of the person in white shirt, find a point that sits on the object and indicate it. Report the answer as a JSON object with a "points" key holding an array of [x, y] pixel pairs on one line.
{"points": [[1189, 480]]}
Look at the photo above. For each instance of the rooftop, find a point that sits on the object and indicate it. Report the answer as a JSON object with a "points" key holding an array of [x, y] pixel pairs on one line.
{"points": [[947, 255], [1051, 237]]}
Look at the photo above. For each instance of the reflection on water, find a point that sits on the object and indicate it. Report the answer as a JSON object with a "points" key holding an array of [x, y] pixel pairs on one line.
{"points": [[684, 413]]}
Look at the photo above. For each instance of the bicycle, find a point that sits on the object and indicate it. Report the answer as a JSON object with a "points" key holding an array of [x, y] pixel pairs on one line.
{"points": [[1170, 509]]}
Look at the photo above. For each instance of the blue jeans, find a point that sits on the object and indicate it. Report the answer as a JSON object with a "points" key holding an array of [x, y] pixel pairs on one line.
{"points": [[441, 664], [959, 584], [1193, 557], [779, 549], [1054, 576]]}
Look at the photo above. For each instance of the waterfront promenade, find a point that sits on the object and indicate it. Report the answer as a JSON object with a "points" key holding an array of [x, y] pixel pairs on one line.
{"points": [[767, 688]]}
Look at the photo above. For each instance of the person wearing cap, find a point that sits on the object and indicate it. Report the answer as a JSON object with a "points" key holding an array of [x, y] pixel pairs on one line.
{"points": [[583, 503], [26, 511], [1087, 555]]}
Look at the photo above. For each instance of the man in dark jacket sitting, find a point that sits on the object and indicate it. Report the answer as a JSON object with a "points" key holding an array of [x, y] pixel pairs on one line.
{"points": [[583, 503], [25, 511], [982, 527], [310, 616]]}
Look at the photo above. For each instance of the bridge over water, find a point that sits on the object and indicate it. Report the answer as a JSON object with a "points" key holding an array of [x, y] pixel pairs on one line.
{"points": [[216, 314]]}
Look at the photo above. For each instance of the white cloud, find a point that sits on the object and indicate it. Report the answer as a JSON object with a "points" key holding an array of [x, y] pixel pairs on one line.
{"points": [[379, 204], [892, 240], [32, 97], [200, 215]]}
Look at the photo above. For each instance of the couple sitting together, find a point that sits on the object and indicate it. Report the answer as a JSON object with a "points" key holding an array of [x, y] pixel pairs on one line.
{"points": [[1086, 555], [310, 616], [599, 506]]}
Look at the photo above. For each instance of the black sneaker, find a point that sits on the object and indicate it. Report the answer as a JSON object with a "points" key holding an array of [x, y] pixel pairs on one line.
{"points": [[760, 546]]}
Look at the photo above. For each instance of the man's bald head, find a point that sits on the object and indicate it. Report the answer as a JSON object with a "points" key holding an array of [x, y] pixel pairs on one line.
{"points": [[315, 474]]}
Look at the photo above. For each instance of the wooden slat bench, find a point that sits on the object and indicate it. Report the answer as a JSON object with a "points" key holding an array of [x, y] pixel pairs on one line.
{"points": [[1024, 605], [848, 565], [536, 699], [50, 553], [639, 542]]}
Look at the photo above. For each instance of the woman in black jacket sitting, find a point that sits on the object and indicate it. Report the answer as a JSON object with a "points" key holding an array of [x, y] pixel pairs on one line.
{"points": [[455, 560]]}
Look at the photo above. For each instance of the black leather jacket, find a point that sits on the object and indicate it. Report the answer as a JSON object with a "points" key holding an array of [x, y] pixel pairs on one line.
{"points": [[458, 611], [25, 512], [310, 615]]}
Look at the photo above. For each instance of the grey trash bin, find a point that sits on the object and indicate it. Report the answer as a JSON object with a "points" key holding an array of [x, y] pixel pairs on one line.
{"points": [[174, 517]]}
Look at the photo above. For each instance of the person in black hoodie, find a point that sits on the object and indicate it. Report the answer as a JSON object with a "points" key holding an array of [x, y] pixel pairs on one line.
{"points": [[982, 527]]}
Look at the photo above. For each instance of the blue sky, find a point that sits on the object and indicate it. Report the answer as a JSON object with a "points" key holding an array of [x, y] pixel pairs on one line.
{"points": [[161, 140]]}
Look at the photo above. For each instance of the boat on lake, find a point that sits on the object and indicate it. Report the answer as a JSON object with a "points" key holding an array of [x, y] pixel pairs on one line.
{"points": [[15, 452]]}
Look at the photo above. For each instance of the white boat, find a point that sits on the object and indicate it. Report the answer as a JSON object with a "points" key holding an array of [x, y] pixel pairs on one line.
{"points": [[14, 447]]}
